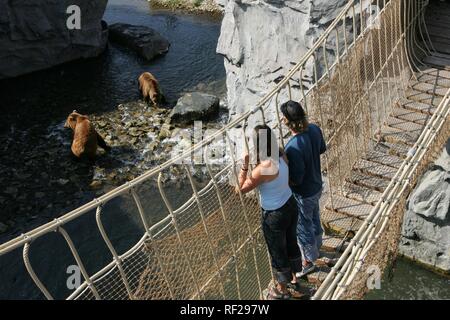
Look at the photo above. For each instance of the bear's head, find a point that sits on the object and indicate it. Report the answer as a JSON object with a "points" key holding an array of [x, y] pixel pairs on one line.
{"points": [[73, 118]]}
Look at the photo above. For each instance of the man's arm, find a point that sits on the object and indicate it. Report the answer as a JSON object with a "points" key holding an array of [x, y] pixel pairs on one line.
{"points": [[323, 146], [296, 167]]}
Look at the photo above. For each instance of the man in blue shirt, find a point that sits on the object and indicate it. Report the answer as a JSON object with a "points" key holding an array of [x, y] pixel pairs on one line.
{"points": [[303, 151]]}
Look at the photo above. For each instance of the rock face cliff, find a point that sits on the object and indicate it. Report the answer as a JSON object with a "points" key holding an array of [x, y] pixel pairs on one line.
{"points": [[34, 34], [426, 224], [262, 39]]}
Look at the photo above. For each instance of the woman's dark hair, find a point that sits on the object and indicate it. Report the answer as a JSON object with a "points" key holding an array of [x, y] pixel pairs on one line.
{"points": [[295, 116], [264, 146]]}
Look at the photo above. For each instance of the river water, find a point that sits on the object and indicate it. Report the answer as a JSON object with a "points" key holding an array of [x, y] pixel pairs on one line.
{"points": [[45, 183], [409, 281]]}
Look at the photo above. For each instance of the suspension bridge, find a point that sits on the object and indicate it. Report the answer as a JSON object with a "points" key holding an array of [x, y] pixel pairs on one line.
{"points": [[378, 83]]}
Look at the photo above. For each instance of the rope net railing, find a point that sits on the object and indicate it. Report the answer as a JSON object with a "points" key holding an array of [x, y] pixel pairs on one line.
{"points": [[211, 247]]}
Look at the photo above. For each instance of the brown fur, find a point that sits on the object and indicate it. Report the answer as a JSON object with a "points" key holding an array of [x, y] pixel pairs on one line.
{"points": [[149, 87], [85, 138]]}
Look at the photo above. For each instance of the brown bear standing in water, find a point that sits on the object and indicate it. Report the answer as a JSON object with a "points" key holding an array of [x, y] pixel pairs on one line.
{"points": [[85, 138], [149, 88]]}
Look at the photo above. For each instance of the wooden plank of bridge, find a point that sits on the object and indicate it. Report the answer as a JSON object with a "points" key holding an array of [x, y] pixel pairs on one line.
{"points": [[339, 223], [383, 158], [418, 106], [375, 169], [441, 74], [411, 116], [434, 79], [393, 135], [361, 193], [426, 100], [429, 88], [318, 276], [396, 149], [367, 181], [404, 125], [333, 244], [349, 207]]}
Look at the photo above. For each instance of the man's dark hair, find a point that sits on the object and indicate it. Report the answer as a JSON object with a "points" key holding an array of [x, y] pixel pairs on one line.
{"points": [[295, 116]]}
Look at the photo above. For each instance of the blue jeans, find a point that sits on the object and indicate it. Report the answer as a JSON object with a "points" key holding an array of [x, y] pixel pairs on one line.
{"points": [[309, 228], [279, 228]]}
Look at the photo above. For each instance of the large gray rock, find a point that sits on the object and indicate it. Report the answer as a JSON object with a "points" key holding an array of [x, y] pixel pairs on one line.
{"points": [[194, 106], [144, 40], [261, 40], [426, 226], [34, 34]]}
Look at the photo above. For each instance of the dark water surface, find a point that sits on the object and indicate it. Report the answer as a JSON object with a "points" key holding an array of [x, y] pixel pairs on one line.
{"points": [[411, 282]]}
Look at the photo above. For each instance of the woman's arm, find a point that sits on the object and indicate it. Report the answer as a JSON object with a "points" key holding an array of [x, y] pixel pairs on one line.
{"points": [[249, 182]]}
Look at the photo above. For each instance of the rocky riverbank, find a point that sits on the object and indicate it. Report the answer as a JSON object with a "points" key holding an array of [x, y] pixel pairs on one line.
{"points": [[426, 224], [194, 6]]}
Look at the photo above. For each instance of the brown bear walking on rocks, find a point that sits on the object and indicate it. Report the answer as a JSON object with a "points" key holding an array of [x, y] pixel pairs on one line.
{"points": [[85, 138], [149, 88]]}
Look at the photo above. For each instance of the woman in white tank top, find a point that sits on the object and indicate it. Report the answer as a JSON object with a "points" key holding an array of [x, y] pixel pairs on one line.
{"points": [[279, 209]]}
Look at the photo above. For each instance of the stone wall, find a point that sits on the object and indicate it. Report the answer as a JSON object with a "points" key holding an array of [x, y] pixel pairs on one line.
{"points": [[426, 224], [261, 40], [34, 35], [196, 6]]}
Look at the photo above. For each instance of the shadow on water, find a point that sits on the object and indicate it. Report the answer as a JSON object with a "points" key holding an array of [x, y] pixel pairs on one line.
{"points": [[43, 179]]}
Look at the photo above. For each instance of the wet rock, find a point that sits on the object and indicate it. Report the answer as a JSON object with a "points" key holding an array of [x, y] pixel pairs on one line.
{"points": [[135, 132], [39, 195], [194, 106], [23, 176], [63, 181], [96, 184], [11, 191], [164, 132], [3, 227], [145, 41], [153, 145], [101, 124], [426, 224]]}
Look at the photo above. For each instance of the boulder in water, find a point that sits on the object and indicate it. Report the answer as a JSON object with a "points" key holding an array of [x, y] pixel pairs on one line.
{"points": [[426, 225], [194, 106], [144, 40]]}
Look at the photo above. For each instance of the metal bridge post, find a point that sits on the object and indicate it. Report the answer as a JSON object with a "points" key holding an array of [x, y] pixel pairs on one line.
{"points": [[32, 274], [79, 262]]}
